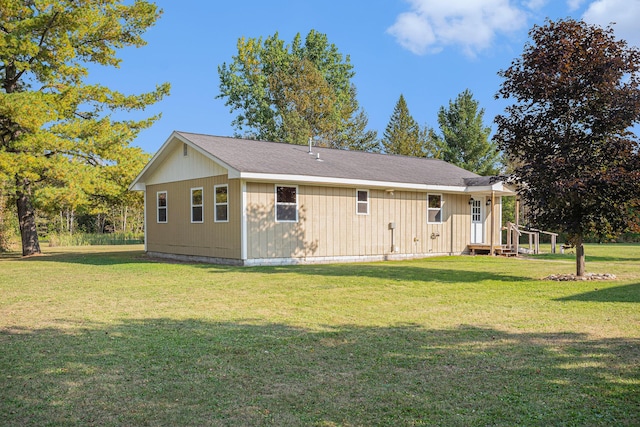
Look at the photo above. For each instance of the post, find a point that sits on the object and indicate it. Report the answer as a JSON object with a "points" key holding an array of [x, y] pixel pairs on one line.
{"points": [[579, 257], [491, 204]]}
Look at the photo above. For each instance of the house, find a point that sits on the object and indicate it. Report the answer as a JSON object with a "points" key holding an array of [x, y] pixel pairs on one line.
{"points": [[246, 202]]}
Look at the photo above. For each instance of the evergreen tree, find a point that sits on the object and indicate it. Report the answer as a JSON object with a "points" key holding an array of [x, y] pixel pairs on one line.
{"points": [[55, 127], [465, 140], [403, 134]]}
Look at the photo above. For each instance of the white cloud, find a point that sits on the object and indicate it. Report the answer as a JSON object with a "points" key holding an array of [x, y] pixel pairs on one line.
{"points": [[624, 13], [574, 4], [470, 24], [538, 4]]}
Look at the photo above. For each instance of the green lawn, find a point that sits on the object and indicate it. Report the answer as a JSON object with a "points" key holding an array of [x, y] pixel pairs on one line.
{"points": [[104, 336]]}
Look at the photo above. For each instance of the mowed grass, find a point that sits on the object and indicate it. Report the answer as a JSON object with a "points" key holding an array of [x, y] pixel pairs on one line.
{"points": [[105, 336]]}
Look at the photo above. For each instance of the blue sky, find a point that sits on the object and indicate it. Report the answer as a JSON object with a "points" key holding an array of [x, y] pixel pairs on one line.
{"points": [[427, 50]]}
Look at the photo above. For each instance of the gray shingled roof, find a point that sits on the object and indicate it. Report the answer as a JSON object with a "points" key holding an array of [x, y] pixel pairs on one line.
{"points": [[246, 155]]}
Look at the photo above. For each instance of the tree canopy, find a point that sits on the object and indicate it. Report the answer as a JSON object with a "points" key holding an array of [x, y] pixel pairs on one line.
{"points": [[575, 95], [465, 139], [403, 135], [56, 130], [293, 92]]}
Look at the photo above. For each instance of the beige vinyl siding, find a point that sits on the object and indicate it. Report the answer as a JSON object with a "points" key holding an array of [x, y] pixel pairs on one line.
{"points": [[177, 167], [329, 226], [179, 235]]}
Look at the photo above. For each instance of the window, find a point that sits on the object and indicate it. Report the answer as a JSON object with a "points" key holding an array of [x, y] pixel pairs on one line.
{"points": [[286, 204], [362, 202], [161, 203], [185, 149], [221, 203], [434, 208], [196, 205]]}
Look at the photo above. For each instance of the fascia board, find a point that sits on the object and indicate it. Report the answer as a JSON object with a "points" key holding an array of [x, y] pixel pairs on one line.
{"points": [[136, 184], [362, 183]]}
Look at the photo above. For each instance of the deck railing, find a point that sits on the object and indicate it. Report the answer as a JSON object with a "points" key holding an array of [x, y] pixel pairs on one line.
{"points": [[514, 232]]}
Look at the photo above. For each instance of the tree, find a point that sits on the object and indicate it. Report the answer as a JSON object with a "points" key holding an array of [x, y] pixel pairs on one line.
{"points": [[290, 93], [465, 140], [576, 97], [403, 135], [51, 120]]}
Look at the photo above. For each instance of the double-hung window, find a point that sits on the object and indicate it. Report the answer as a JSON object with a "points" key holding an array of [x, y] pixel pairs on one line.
{"points": [[161, 203], [362, 202], [197, 205], [286, 203], [221, 203], [434, 208]]}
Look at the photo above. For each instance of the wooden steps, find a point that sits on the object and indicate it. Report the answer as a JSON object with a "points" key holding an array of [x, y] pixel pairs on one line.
{"points": [[482, 249]]}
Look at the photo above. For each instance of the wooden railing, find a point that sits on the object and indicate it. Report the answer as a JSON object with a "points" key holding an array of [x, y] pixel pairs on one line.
{"points": [[514, 232]]}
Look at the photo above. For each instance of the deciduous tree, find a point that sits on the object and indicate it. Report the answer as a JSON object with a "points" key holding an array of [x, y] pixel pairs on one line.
{"points": [[292, 92], [51, 119], [576, 96]]}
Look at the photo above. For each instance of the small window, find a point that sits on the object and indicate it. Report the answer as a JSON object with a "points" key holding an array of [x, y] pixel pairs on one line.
{"points": [[434, 208], [196, 205], [185, 149], [362, 202], [161, 203], [222, 203], [286, 204]]}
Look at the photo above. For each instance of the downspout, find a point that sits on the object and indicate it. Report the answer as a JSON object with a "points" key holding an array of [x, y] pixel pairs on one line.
{"points": [[145, 216], [243, 221]]}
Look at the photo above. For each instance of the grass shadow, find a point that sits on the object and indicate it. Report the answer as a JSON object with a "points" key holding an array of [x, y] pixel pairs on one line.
{"points": [[191, 372], [392, 271], [624, 293], [403, 272], [88, 256]]}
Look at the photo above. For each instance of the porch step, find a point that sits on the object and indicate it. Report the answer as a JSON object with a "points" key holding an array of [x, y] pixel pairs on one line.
{"points": [[506, 251], [503, 250]]}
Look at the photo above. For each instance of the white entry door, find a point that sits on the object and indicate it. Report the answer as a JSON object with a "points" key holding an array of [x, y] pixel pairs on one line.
{"points": [[477, 224]]}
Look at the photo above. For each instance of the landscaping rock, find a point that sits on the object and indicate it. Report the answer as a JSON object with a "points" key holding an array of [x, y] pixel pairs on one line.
{"points": [[587, 276]]}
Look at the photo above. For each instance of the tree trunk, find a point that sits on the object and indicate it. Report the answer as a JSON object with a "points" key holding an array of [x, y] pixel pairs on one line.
{"points": [[579, 257], [27, 220], [3, 227]]}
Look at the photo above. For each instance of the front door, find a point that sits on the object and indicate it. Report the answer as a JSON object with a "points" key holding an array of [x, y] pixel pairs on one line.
{"points": [[477, 224]]}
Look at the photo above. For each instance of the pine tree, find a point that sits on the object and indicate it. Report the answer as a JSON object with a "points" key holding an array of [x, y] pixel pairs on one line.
{"points": [[53, 124], [403, 134], [465, 140]]}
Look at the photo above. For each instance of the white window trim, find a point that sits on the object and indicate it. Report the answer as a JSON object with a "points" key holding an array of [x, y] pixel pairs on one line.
{"points": [[433, 209], [194, 206], [165, 207], [358, 202], [216, 204], [275, 192]]}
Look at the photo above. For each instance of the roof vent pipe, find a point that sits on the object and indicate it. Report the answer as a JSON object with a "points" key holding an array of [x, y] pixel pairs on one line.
{"points": [[310, 141], [318, 157]]}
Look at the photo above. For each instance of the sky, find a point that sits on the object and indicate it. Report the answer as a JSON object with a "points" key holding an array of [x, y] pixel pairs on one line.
{"points": [[427, 50]]}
